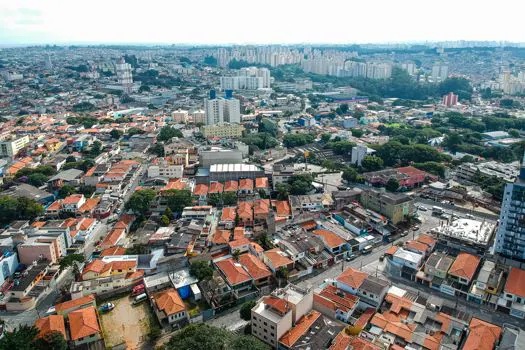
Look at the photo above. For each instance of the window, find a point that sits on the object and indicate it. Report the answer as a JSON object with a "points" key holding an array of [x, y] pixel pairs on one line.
{"points": [[265, 323], [272, 327]]}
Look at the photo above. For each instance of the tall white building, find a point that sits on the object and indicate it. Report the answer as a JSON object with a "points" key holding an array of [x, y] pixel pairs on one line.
{"points": [[220, 110], [250, 78], [124, 75], [439, 72], [10, 146]]}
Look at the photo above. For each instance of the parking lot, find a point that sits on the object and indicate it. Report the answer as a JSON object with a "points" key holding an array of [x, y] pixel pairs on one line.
{"points": [[126, 323]]}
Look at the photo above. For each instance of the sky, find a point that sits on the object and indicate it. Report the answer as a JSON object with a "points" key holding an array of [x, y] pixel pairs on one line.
{"points": [[24, 22]]}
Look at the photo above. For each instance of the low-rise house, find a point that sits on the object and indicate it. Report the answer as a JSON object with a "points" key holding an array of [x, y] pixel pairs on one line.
{"points": [[402, 262], [245, 187], [51, 323], [482, 335], [231, 186], [332, 242], [282, 210], [370, 290], [261, 210], [245, 213], [262, 184], [39, 248], [69, 306], [276, 259], [237, 277], [169, 307], [461, 274], [257, 270], [435, 270], [335, 303], [417, 247], [200, 192], [228, 217], [512, 299], [84, 327], [99, 268], [487, 285]]}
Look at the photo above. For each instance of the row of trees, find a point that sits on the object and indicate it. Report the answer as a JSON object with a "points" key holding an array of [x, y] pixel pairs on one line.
{"points": [[141, 200], [18, 208], [295, 140]]}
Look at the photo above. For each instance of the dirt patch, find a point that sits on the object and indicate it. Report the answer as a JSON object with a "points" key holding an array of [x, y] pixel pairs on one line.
{"points": [[126, 324]]}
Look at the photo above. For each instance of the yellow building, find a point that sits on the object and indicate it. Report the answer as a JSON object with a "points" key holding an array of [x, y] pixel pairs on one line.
{"points": [[226, 130]]}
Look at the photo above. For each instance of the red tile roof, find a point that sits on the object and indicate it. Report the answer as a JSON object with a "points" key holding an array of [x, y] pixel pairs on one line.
{"points": [[336, 299], [282, 306], [221, 237], [169, 301], [246, 184], [244, 210], [75, 303], [216, 187], [516, 282], [83, 323], [200, 190], [277, 257], [113, 251], [482, 335], [331, 239], [234, 272], [261, 207], [465, 266], [231, 186], [353, 278], [282, 208], [228, 214], [254, 266], [301, 327], [344, 341], [262, 182], [52, 323]]}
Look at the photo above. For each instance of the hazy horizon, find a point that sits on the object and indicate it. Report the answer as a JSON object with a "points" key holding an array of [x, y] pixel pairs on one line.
{"points": [[207, 23]]}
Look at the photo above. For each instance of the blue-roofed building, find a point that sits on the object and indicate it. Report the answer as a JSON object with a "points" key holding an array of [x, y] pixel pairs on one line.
{"points": [[182, 281]]}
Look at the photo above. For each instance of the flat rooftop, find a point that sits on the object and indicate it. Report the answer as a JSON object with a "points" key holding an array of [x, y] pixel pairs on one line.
{"points": [[470, 230]]}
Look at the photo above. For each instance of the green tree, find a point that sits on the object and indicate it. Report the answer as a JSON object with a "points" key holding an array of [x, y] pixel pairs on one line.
{"points": [[283, 191], [20, 208], [300, 184], [168, 213], [164, 220], [392, 185], [87, 190], [135, 131], [236, 254], [70, 159], [214, 199], [268, 126], [457, 85], [115, 134], [70, 260], [53, 340], [349, 174], [37, 179], [201, 270], [167, 133], [177, 199], [65, 191], [140, 201], [210, 61], [20, 338], [326, 137], [229, 198], [357, 132], [246, 310], [372, 163]]}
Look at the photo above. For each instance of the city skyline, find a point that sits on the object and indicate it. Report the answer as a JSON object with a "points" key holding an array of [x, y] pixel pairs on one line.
{"points": [[55, 22]]}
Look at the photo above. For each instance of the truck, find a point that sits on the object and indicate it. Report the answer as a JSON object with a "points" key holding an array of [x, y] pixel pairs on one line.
{"points": [[437, 210]]}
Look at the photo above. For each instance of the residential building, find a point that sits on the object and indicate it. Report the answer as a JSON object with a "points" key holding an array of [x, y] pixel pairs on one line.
{"points": [[512, 299], [275, 314], [332, 242], [51, 323], [335, 303], [488, 284], [435, 270], [482, 335], [169, 307], [395, 206], [510, 238], [124, 75], [237, 277], [370, 290], [222, 130], [180, 116], [276, 259], [219, 110], [439, 72], [449, 100], [461, 274], [469, 235], [207, 158], [84, 327], [10, 145]]}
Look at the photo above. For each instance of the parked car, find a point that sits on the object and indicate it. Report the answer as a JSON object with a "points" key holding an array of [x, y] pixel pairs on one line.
{"points": [[106, 307], [140, 298], [404, 233], [415, 228]]}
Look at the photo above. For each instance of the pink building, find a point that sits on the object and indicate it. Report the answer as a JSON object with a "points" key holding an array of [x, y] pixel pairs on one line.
{"points": [[450, 100], [37, 248]]}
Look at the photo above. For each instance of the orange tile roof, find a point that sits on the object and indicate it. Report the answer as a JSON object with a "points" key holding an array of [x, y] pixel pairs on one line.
{"points": [[399, 329], [86, 223], [280, 305], [344, 341], [52, 323], [221, 237], [331, 239], [416, 245], [254, 266], [113, 237], [231, 186], [244, 210], [262, 182], [261, 207], [200, 190], [74, 303], [246, 184], [301, 327], [392, 250], [38, 224], [169, 301], [465, 266], [428, 240], [83, 323], [234, 272], [238, 233], [73, 199], [482, 335], [398, 303], [89, 205], [123, 265], [353, 278], [365, 317], [176, 184], [282, 208], [96, 266], [255, 246], [516, 282], [337, 299], [216, 187], [309, 225], [113, 251], [277, 257], [238, 243], [228, 214], [56, 205]]}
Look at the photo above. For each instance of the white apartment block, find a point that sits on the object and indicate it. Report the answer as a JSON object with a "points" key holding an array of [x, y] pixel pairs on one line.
{"points": [[165, 169], [9, 147], [180, 116], [439, 72], [198, 116], [220, 110]]}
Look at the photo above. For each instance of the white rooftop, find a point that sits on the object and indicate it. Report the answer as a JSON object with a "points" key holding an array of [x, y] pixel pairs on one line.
{"points": [[470, 230], [408, 256], [223, 168]]}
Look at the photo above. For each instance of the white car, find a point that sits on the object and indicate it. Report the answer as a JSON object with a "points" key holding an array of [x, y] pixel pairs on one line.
{"points": [[422, 208]]}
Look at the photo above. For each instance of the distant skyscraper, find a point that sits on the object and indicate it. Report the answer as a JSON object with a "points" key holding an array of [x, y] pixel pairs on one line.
{"points": [[450, 100], [439, 72], [124, 75], [510, 238]]}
